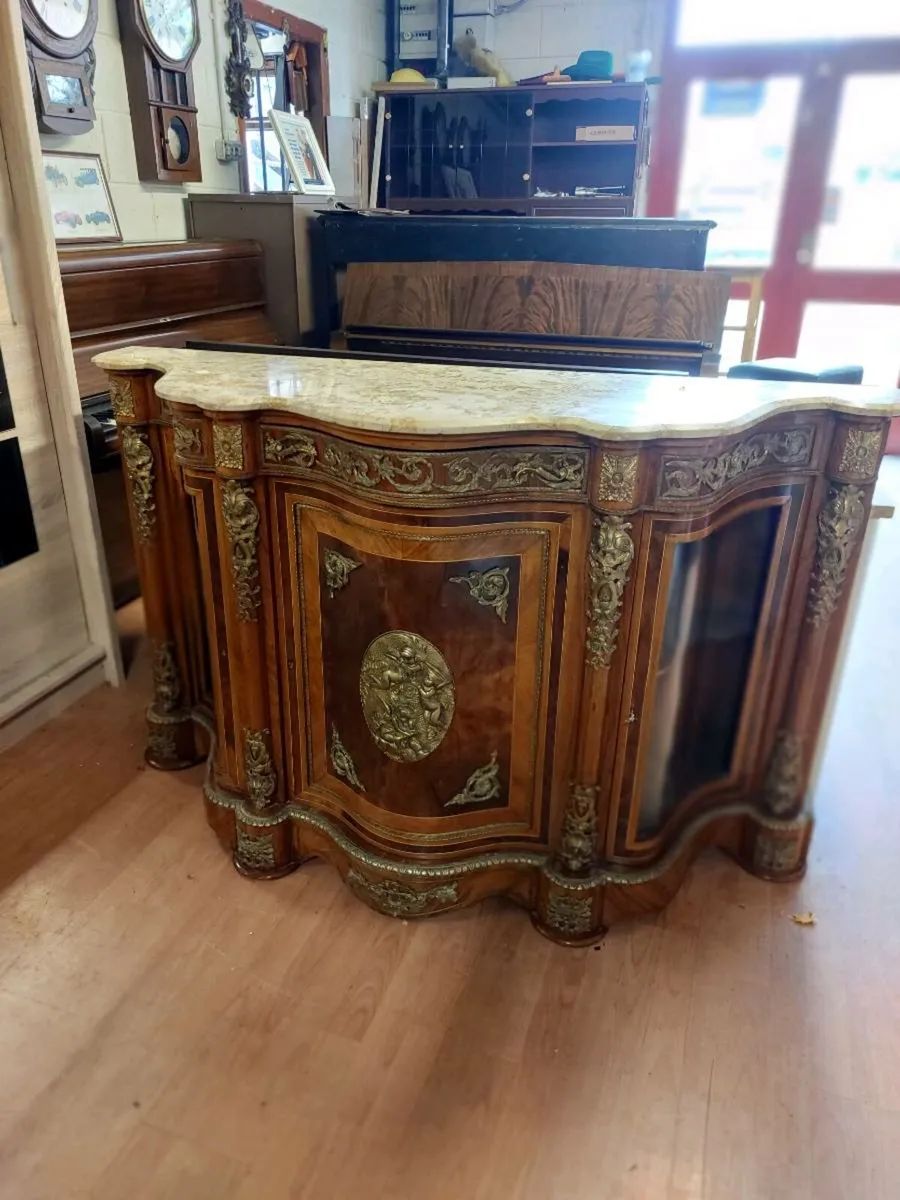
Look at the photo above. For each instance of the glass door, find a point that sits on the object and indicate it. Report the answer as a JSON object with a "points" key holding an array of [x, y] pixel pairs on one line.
{"points": [[779, 123], [849, 282], [701, 662]]}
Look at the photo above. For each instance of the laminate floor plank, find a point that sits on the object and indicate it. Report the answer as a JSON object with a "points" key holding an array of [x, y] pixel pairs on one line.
{"points": [[169, 1029]]}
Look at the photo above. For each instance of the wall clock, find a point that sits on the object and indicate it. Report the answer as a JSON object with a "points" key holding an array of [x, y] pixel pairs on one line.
{"points": [[159, 39], [58, 37]]}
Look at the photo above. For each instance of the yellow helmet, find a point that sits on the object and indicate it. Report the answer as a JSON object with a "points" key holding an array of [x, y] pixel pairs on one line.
{"points": [[408, 75]]}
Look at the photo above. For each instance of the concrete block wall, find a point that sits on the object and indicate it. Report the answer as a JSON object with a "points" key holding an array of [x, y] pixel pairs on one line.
{"points": [[155, 212]]}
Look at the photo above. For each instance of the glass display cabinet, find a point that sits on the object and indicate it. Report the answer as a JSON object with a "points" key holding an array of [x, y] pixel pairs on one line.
{"points": [[572, 150]]}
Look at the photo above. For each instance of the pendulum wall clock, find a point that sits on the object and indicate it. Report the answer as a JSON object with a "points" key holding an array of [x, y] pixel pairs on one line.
{"points": [[159, 39], [58, 36]]}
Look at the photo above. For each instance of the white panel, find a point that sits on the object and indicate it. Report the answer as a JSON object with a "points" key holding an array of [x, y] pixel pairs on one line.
{"points": [[40, 597]]}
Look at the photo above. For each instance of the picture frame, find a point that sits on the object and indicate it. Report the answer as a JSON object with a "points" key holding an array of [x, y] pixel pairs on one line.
{"points": [[302, 153], [81, 206]]}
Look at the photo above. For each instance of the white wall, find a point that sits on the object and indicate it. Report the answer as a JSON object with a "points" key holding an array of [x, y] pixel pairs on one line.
{"points": [[155, 212], [356, 41], [543, 34]]}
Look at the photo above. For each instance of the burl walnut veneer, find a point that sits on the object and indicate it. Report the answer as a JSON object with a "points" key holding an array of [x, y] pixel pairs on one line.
{"points": [[466, 631]]}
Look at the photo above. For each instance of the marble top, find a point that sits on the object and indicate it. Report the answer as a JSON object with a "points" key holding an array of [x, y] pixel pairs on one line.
{"points": [[427, 398]]}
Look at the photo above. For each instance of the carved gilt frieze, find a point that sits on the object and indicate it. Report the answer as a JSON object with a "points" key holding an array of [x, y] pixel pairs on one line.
{"points": [[687, 478], [161, 742], [429, 475], [777, 853], [841, 523], [570, 914], [859, 458], [256, 853], [121, 397], [166, 680], [294, 449], [187, 439], [241, 519], [397, 899], [138, 459], [228, 446], [579, 830], [611, 556], [784, 777], [261, 777], [618, 476]]}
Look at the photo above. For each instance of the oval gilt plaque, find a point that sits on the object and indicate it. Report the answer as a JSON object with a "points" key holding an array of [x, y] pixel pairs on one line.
{"points": [[407, 694]]}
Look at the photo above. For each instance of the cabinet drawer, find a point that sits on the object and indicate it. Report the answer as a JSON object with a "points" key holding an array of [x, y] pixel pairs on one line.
{"points": [[423, 654]]}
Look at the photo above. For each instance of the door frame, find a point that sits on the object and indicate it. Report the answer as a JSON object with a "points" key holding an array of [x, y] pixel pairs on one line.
{"points": [[822, 66]]}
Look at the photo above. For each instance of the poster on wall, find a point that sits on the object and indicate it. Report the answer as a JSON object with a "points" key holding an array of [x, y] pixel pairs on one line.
{"points": [[302, 152], [81, 208]]}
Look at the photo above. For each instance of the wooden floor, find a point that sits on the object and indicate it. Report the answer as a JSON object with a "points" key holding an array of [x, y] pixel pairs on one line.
{"points": [[171, 1030]]}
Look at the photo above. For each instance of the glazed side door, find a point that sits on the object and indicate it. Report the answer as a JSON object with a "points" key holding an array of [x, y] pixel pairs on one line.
{"points": [[706, 666], [424, 652]]}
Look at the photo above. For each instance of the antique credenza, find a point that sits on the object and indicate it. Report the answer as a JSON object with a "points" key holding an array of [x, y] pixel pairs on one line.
{"points": [[465, 631]]}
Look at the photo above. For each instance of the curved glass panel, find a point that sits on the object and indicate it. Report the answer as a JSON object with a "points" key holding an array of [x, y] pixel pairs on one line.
{"points": [[713, 606]]}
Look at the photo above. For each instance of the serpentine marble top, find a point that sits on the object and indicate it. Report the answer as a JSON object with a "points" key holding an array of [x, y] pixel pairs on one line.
{"points": [[412, 397]]}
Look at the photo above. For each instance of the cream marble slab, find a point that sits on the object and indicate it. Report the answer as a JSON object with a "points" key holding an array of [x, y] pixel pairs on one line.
{"points": [[431, 399]]}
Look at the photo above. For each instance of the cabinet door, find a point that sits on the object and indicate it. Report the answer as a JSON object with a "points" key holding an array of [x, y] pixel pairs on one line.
{"points": [[424, 654], [713, 596], [433, 145]]}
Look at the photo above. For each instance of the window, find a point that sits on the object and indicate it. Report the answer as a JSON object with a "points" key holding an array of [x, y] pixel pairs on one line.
{"points": [[304, 45], [266, 170]]}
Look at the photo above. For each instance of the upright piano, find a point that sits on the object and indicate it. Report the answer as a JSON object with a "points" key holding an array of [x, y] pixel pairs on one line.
{"points": [[159, 294]]}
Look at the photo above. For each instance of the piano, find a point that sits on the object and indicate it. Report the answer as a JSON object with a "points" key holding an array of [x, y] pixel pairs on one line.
{"points": [[159, 294]]}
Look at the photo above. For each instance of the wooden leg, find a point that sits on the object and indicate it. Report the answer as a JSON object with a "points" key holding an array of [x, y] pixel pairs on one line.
{"points": [[569, 914], [157, 501], [776, 850]]}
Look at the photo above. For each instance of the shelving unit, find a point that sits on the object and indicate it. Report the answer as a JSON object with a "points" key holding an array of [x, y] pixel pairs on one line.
{"points": [[515, 150]]}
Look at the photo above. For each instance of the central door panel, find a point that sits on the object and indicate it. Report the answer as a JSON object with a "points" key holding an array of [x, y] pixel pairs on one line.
{"points": [[427, 647]]}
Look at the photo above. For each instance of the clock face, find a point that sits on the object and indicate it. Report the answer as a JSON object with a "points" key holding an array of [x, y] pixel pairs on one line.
{"points": [[171, 25], [65, 18]]}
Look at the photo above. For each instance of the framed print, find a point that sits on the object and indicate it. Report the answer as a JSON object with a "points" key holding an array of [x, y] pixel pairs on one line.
{"points": [[81, 207], [304, 158]]}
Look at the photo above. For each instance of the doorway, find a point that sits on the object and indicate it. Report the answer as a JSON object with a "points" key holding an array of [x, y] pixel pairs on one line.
{"points": [[779, 121]]}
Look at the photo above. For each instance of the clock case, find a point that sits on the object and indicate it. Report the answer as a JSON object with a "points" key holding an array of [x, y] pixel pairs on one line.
{"points": [[160, 92], [49, 54]]}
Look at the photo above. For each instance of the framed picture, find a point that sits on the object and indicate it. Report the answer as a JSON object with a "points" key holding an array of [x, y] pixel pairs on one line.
{"points": [[304, 158], [81, 207]]}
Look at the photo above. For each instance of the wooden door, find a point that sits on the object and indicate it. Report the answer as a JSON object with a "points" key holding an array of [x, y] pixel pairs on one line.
{"points": [[425, 655]]}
